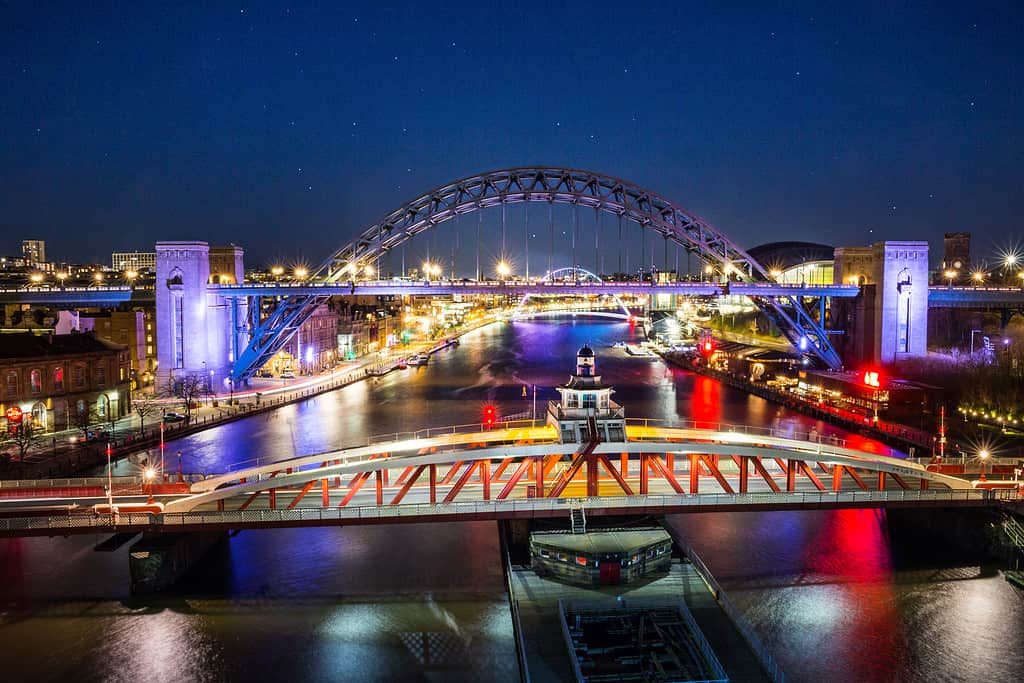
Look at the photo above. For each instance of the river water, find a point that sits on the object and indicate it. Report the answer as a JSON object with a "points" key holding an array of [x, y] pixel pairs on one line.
{"points": [[426, 602]]}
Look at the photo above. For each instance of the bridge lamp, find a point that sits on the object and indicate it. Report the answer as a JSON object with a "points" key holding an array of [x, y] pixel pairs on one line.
{"points": [[503, 269], [36, 278], [978, 276], [62, 277], [983, 456], [277, 271], [368, 270], [98, 277], [776, 274], [301, 272]]}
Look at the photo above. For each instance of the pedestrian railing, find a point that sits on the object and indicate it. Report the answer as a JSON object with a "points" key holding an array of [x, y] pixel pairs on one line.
{"points": [[522, 507]]}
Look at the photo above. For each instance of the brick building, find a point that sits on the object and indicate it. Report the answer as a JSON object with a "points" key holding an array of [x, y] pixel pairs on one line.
{"points": [[55, 378]]}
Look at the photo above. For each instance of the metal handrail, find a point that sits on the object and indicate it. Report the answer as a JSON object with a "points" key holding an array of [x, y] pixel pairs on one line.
{"points": [[172, 520]]}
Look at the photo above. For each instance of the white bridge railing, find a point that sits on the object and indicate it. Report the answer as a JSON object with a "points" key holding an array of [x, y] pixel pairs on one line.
{"points": [[523, 506]]}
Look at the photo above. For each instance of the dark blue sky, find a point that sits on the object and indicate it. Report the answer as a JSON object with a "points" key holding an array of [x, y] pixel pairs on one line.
{"points": [[286, 128]]}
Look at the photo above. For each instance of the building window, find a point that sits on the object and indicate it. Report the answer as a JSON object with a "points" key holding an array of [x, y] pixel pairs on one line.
{"points": [[101, 406], [11, 390], [58, 379], [121, 373], [571, 401], [78, 377], [80, 407], [589, 400], [36, 381], [101, 374]]}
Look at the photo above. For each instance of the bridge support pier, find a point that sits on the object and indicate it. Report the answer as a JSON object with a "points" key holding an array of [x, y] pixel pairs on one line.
{"points": [[157, 561]]}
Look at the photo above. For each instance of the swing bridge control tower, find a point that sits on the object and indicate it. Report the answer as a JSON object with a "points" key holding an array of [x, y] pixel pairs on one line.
{"points": [[585, 410]]}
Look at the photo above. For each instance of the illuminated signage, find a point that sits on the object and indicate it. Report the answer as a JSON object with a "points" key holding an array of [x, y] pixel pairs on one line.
{"points": [[871, 378]]}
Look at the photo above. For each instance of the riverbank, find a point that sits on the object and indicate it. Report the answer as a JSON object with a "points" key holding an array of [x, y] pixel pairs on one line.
{"points": [[83, 456], [916, 442]]}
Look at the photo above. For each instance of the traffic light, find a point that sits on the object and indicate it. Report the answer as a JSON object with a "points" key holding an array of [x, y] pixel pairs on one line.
{"points": [[490, 415]]}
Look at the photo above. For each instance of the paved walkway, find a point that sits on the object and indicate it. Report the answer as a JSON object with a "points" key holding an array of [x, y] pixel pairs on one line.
{"points": [[546, 654]]}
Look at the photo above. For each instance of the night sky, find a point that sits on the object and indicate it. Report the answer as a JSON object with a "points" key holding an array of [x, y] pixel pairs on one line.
{"points": [[287, 128]]}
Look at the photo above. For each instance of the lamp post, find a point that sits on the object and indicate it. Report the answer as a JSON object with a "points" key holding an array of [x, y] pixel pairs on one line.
{"points": [[973, 332], [983, 455], [950, 276]]}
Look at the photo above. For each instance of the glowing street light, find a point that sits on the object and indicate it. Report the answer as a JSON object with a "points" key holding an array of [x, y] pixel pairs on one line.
{"points": [[61, 277], [301, 272], [97, 276], [503, 269], [36, 278], [369, 271], [950, 275], [776, 274], [277, 271], [978, 276], [983, 455]]}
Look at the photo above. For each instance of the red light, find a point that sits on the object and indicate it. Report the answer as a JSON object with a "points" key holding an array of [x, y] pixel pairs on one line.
{"points": [[708, 346], [490, 415], [871, 378]]}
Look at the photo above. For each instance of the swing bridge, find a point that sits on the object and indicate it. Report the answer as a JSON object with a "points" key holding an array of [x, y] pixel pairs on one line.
{"points": [[507, 470]]}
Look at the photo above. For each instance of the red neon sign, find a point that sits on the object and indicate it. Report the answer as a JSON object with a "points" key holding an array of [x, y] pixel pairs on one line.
{"points": [[14, 414], [490, 414], [871, 378]]}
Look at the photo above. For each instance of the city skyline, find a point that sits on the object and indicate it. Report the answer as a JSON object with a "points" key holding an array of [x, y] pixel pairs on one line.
{"points": [[247, 123]]}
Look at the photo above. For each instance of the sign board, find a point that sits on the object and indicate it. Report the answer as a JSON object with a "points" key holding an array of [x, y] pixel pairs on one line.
{"points": [[14, 414]]}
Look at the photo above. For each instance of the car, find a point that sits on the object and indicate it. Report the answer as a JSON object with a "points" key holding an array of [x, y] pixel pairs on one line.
{"points": [[174, 417], [264, 373], [287, 374]]}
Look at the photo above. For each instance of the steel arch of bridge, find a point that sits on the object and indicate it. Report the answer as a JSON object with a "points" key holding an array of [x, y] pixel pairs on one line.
{"points": [[556, 274], [550, 185]]}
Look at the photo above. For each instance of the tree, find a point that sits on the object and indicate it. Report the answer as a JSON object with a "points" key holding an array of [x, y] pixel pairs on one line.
{"points": [[24, 436], [84, 419], [188, 388], [144, 405]]}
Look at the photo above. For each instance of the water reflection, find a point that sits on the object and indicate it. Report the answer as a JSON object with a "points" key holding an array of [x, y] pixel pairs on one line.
{"points": [[426, 602]]}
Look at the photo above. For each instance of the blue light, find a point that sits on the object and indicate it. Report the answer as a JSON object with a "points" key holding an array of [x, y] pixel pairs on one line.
{"points": [[309, 355], [803, 343]]}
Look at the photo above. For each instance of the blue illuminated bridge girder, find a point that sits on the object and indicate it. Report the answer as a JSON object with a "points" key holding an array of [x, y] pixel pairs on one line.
{"points": [[551, 185]]}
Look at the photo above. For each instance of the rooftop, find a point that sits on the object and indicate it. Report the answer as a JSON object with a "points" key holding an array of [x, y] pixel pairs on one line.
{"points": [[29, 345]]}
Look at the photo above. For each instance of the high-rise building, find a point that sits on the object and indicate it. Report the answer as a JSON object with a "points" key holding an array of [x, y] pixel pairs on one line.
{"points": [[133, 260], [34, 251]]}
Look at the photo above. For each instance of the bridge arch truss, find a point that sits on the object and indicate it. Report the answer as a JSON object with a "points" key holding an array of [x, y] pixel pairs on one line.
{"points": [[551, 185]]}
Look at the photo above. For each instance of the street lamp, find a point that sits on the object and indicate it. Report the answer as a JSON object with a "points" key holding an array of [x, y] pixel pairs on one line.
{"points": [[503, 269], [974, 332], [978, 276], [950, 276], [36, 278], [61, 277], [776, 274], [983, 455], [301, 272], [277, 271], [98, 277]]}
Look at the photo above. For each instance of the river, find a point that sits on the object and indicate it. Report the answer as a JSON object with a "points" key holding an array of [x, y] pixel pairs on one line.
{"points": [[426, 602]]}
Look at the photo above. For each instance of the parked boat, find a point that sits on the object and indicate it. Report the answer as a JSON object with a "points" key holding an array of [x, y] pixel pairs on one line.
{"points": [[634, 350], [419, 359]]}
